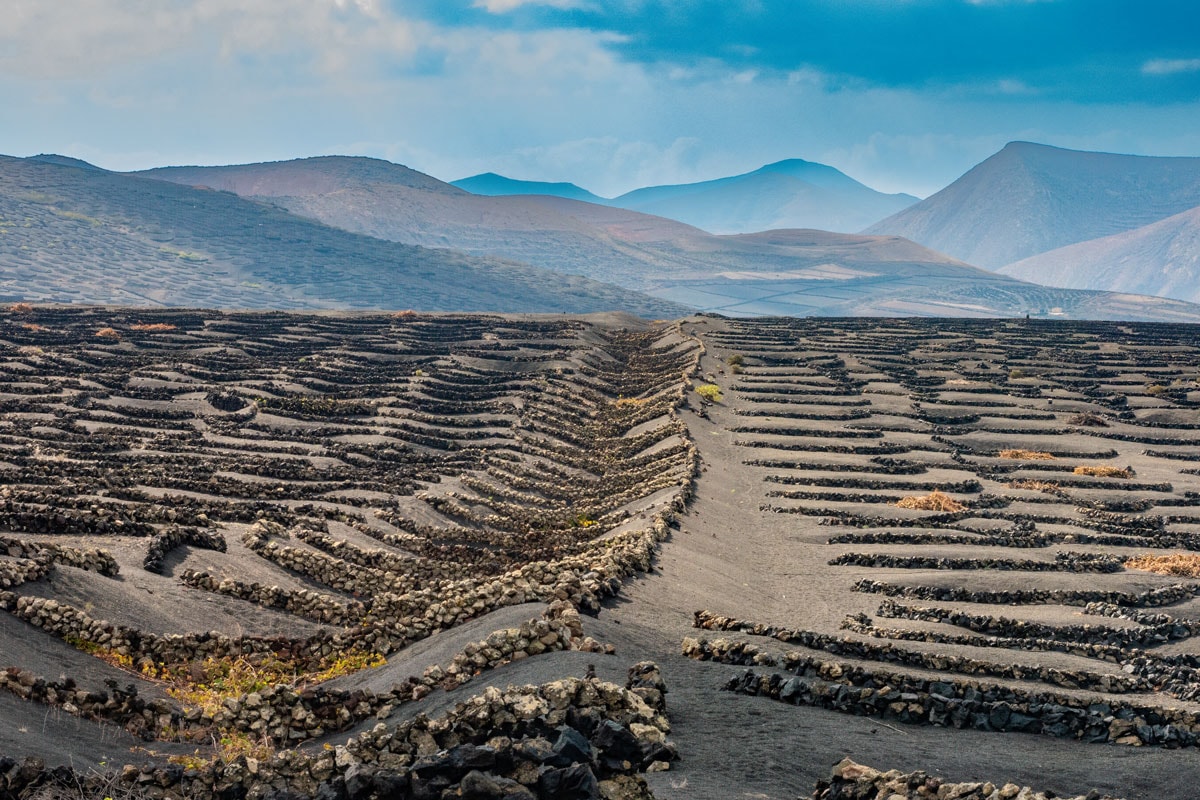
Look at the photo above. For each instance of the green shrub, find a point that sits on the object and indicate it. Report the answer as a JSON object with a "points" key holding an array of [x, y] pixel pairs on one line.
{"points": [[710, 392]]}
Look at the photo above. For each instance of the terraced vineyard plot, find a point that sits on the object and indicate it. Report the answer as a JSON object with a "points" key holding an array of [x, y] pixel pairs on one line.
{"points": [[962, 503], [284, 532], [225, 511]]}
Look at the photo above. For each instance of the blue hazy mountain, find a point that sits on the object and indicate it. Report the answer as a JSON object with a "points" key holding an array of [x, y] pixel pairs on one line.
{"points": [[1162, 258], [489, 184], [788, 194]]}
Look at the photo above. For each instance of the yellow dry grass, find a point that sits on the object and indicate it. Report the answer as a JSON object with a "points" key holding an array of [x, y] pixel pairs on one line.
{"points": [[20, 308], [1186, 565], [152, 326], [1049, 487], [1102, 471], [1027, 455], [108, 333], [934, 501]]}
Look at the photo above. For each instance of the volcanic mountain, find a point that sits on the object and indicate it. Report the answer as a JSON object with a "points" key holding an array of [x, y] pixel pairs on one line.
{"points": [[1031, 198], [788, 194]]}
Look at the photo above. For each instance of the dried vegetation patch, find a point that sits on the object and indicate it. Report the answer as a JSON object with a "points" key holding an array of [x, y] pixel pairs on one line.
{"points": [[1186, 565], [934, 501], [1027, 455], [1048, 487], [1103, 471]]}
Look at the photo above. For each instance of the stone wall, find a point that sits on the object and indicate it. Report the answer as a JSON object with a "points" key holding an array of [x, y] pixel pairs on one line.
{"points": [[575, 737], [851, 781]]}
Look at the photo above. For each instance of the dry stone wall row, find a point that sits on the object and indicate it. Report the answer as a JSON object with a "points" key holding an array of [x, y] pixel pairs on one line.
{"points": [[575, 737], [851, 781], [1150, 635], [91, 559], [1150, 598], [1177, 675], [909, 700], [745, 654], [164, 542], [286, 714], [1067, 561]]}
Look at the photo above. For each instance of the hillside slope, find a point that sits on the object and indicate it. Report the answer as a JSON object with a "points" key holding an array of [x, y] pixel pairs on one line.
{"points": [[1032, 198], [86, 235], [1162, 258]]}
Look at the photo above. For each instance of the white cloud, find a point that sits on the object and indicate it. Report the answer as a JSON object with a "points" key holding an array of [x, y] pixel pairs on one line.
{"points": [[1012, 86], [88, 38], [1170, 66], [504, 6]]}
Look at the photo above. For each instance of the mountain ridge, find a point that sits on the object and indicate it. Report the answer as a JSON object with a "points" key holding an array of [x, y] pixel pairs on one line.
{"points": [[1030, 198], [490, 184]]}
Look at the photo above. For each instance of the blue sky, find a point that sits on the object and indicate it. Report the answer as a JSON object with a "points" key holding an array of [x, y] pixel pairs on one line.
{"points": [[904, 95]]}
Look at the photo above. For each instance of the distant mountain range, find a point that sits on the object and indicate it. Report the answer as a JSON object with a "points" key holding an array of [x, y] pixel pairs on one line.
{"points": [[787, 194], [799, 272], [70, 232], [1031, 198]]}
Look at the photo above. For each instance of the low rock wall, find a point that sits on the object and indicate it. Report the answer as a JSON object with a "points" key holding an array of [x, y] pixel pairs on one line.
{"points": [[569, 738], [851, 781]]}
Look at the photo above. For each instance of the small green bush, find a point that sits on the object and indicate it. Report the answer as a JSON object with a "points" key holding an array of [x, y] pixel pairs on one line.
{"points": [[710, 392]]}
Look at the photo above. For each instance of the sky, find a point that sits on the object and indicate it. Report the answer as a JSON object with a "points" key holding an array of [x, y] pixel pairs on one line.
{"points": [[903, 95]]}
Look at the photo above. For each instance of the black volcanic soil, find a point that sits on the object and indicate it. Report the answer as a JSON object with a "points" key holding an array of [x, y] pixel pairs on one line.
{"points": [[466, 416]]}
